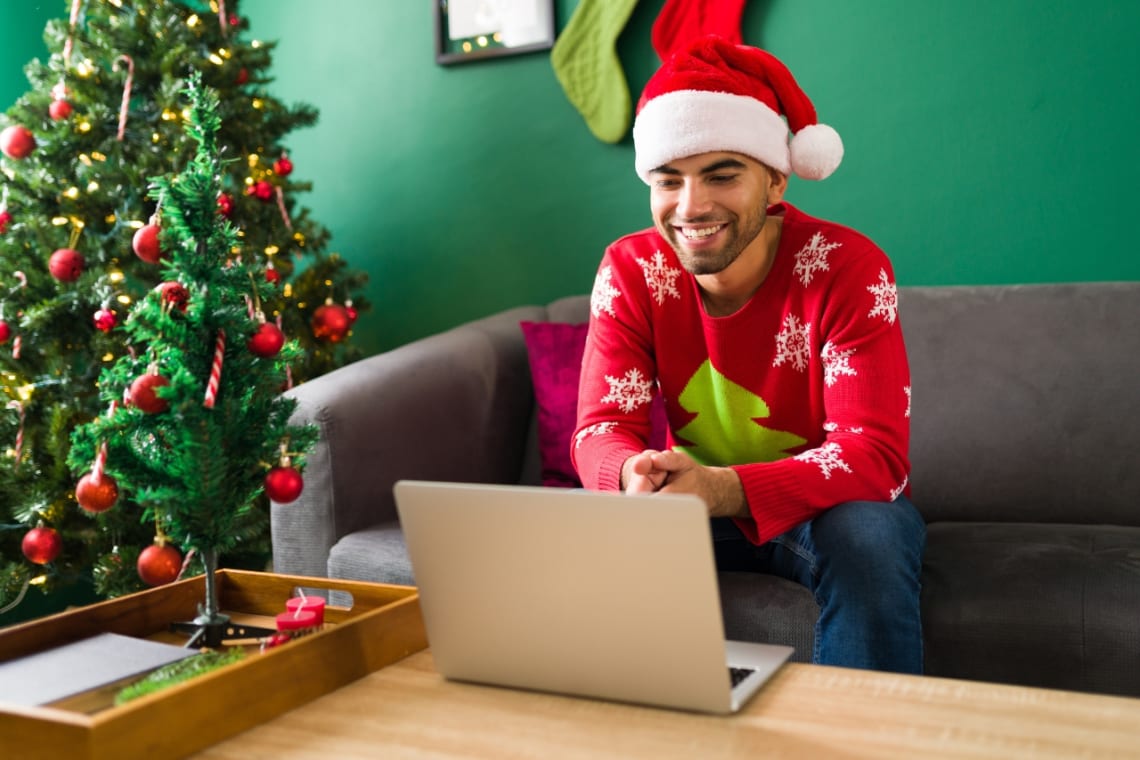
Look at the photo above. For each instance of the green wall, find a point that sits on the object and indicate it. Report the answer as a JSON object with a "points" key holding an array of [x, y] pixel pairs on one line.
{"points": [[21, 40], [987, 142]]}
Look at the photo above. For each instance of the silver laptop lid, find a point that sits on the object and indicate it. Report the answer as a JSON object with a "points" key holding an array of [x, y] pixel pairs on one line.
{"points": [[571, 591]]}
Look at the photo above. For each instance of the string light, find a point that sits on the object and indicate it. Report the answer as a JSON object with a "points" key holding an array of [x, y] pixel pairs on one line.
{"points": [[84, 126], [71, 192], [270, 250], [193, 21]]}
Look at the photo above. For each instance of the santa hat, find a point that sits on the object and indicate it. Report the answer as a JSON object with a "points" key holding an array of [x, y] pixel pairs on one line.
{"points": [[714, 95]]}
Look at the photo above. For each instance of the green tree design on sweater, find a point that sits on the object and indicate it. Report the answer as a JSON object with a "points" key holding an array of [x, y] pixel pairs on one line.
{"points": [[725, 430]]}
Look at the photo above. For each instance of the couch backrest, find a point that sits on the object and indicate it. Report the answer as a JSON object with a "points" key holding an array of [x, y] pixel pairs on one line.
{"points": [[1025, 404], [1025, 400]]}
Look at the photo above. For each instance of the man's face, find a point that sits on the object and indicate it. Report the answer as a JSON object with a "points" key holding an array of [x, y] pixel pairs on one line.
{"points": [[711, 206]]}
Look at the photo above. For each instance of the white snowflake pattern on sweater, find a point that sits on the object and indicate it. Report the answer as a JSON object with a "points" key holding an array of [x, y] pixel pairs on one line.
{"points": [[897, 492], [906, 390], [827, 457], [604, 293], [792, 344], [886, 298], [629, 391], [836, 363], [661, 278], [833, 427], [812, 258], [600, 428]]}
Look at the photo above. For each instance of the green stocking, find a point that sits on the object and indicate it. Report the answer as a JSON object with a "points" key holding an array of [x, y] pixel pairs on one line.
{"points": [[587, 66]]}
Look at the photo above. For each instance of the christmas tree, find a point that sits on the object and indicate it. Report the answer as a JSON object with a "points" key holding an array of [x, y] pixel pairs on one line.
{"points": [[81, 241], [196, 427]]}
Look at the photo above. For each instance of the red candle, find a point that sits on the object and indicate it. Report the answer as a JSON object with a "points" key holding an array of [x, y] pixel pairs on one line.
{"points": [[297, 623], [314, 604]]}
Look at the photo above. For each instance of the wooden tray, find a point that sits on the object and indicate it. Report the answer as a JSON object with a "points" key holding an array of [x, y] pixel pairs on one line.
{"points": [[382, 626]]}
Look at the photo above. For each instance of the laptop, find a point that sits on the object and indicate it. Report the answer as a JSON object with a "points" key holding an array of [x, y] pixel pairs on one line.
{"points": [[585, 593]]}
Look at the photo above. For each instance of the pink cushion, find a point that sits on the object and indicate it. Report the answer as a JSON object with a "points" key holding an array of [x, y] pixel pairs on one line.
{"points": [[555, 350]]}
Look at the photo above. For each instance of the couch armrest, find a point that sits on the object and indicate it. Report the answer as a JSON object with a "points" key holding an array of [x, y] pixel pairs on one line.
{"points": [[453, 406]]}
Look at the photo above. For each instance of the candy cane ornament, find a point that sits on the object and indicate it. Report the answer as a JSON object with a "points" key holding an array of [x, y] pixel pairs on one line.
{"points": [[70, 33], [126, 92], [19, 407], [215, 371]]}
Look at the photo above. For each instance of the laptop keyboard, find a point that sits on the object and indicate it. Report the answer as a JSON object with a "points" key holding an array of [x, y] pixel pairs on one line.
{"points": [[736, 675]]}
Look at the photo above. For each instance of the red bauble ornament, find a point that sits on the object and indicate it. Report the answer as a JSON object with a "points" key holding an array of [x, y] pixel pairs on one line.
{"points": [[283, 167], [283, 484], [105, 320], [59, 110], [145, 244], [159, 564], [262, 190], [17, 141], [66, 264], [242, 76], [271, 274], [5, 218], [352, 313], [96, 494], [266, 341], [225, 205], [41, 545], [175, 294], [142, 393], [5, 331], [331, 322]]}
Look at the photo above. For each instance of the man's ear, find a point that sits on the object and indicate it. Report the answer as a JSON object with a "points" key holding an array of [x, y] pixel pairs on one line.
{"points": [[777, 186]]}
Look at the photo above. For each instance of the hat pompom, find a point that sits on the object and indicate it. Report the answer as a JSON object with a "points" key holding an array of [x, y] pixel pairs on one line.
{"points": [[816, 151]]}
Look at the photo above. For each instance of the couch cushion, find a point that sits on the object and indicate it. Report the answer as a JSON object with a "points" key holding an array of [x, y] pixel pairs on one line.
{"points": [[1000, 599], [376, 554], [554, 350], [1025, 406]]}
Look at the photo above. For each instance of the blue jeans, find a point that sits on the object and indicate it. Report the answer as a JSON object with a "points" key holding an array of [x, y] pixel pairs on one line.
{"points": [[862, 561]]}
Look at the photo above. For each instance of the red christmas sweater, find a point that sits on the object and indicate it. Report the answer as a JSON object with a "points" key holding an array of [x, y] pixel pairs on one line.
{"points": [[804, 391]]}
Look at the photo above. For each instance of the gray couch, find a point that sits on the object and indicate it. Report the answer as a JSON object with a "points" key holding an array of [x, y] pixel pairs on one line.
{"points": [[1025, 464]]}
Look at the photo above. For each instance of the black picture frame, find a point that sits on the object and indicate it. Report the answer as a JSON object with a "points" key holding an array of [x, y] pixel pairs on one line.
{"points": [[535, 31]]}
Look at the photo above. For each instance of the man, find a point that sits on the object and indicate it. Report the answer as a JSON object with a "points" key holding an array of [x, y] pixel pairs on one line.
{"points": [[775, 341]]}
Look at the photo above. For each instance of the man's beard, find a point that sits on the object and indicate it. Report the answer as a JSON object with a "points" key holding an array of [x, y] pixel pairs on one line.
{"points": [[739, 232]]}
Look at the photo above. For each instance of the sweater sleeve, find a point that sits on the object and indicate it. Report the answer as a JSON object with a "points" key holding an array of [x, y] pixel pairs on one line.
{"points": [[618, 380], [860, 364]]}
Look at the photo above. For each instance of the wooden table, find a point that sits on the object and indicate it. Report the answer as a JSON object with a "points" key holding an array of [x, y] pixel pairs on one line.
{"points": [[806, 711]]}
